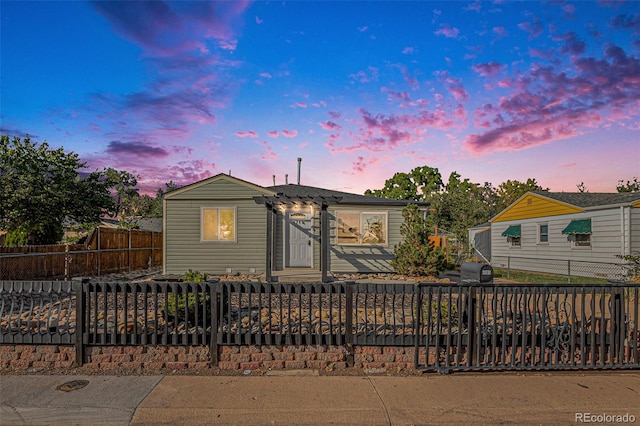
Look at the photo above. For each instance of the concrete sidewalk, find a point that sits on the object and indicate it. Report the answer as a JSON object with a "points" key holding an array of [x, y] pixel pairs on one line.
{"points": [[290, 398]]}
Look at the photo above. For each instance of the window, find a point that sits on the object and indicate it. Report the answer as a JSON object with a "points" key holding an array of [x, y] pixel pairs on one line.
{"points": [[582, 240], [514, 241], [361, 228], [579, 232], [218, 224], [543, 233], [513, 235]]}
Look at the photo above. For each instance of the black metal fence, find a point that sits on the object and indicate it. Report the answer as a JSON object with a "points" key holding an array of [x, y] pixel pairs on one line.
{"points": [[452, 327], [517, 327]]}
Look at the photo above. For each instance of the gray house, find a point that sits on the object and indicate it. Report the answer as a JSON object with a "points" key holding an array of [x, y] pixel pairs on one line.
{"points": [[542, 230], [224, 225]]}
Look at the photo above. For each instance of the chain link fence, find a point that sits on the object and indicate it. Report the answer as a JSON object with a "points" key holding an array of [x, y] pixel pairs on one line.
{"points": [[563, 270]]}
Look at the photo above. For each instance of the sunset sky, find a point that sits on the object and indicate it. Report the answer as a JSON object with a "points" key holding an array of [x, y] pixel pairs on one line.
{"points": [[360, 90]]}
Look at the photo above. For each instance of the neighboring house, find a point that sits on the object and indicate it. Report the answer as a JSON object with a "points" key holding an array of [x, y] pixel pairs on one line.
{"points": [[224, 225], [585, 227], [480, 242]]}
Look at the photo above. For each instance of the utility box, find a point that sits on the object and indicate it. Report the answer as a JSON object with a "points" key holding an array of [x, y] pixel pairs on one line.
{"points": [[476, 272]]}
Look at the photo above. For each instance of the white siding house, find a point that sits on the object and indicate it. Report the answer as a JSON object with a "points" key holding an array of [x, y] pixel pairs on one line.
{"points": [[542, 229]]}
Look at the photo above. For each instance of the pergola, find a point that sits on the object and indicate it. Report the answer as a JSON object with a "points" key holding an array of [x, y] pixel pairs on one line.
{"points": [[272, 202]]}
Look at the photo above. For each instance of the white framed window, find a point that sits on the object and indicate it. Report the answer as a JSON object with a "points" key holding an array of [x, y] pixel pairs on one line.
{"points": [[543, 233], [581, 240], [361, 228], [579, 233], [218, 224], [513, 233]]}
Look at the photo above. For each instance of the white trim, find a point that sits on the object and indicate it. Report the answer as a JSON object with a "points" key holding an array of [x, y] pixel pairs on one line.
{"points": [[538, 240], [218, 208], [385, 213]]}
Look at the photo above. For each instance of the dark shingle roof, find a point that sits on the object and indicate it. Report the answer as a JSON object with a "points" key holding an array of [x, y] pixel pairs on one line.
{"points": [[293, 191], [592, 199]]}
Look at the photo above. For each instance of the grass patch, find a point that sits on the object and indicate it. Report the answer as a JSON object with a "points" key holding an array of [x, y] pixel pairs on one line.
{"points": [[542, 278]]}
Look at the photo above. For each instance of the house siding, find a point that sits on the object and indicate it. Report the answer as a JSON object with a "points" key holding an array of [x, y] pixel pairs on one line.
{"points": [[535, 206], [350, 259], [184, 249], [606, 241]]}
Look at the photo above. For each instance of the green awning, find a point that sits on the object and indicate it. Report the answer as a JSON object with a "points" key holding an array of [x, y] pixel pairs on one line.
{"points": [[582, 226], [512, 231]]}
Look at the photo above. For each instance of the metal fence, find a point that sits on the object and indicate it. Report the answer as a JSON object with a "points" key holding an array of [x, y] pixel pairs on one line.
{"points": [[528, 327], [565, 270], [38, 312], [452, 327]]}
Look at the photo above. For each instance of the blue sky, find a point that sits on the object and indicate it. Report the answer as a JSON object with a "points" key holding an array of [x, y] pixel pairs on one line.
{"points": [[360, 90]]}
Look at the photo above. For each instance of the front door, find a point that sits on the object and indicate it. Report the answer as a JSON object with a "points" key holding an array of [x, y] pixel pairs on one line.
{"points": [[298, 240]]}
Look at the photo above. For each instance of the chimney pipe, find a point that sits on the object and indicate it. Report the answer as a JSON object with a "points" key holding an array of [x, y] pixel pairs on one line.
{"points": [[286, 179], [299, 163], [274, 180]]}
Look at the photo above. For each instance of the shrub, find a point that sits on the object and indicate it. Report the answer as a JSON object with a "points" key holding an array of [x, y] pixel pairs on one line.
{"points": [[176, 308], [416, 255], [187, 302]]}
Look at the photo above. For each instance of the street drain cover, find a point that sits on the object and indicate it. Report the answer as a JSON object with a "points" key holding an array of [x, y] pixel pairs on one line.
{"points": [[72, 385]]}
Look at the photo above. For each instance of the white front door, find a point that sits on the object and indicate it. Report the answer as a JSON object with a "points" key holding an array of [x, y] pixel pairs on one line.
{"points": [[298, 240]]}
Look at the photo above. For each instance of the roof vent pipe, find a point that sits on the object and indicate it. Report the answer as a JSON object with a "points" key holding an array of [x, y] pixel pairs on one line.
{"points": [[299, 163], [274, 180], [286, 179]]}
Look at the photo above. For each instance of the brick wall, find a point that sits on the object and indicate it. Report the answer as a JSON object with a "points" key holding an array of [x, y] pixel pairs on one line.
{"points": [[21, 357]]}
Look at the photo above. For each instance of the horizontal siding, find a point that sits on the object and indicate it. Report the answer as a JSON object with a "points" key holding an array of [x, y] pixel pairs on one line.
{"points": [[606, 241], [535, 206], [219, 189], [349, 259], [634, 224], [185, 251]]}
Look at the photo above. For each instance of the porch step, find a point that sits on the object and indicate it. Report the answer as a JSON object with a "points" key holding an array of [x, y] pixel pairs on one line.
{"points": [[298, 277]]}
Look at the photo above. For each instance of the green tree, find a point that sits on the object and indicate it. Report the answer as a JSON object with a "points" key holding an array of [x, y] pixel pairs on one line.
{"points": [[629, 186], [125, 195], [511, 190], [41, 186], [420, 184], [415, 255], [461, 206]]}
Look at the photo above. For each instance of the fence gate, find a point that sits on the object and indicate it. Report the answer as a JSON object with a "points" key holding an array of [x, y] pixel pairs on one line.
{"points": [[527, 327]]}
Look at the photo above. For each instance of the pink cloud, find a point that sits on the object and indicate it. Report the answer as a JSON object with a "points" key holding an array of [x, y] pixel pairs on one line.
{"points": [[250, 133], [447, 31], [273, 133], [534, 28], [500, 31], [398, 96], [488, 69], [457, 89], [366, 76], [230, 45], [549, 104], [166, 29], [360, 165], [407, 50], [329, 125], [289, 133], [269, 155]]}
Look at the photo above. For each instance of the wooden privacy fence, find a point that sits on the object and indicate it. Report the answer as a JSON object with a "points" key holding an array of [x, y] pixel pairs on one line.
{"points": [[106, 251]]}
